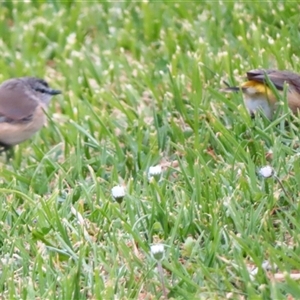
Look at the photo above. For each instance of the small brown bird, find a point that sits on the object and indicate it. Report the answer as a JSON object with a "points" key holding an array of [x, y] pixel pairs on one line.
{"points": [[22, 105], [259, 96]]}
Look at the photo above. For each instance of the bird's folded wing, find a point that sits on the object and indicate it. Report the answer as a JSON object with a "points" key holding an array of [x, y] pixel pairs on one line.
{"points": [[278, 78]]}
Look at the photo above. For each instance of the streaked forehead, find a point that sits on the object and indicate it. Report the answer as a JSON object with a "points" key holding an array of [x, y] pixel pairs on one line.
{"points": [[34, 81], [42, 82]]}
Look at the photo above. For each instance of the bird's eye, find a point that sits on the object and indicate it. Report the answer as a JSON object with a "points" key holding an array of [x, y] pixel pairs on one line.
{"points": [[40, 90]]}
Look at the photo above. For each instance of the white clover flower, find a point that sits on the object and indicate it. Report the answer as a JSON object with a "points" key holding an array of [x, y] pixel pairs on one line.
{"points": [[158, 251], [266, 172], [154, 171], [118, 192]]}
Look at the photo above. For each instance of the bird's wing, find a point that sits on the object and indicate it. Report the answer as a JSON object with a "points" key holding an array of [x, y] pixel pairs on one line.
{"points": [[277, 77], [16, 103]]}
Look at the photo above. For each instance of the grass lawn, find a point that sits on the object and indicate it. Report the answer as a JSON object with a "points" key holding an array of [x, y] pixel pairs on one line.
{"points": [[141, 88]]}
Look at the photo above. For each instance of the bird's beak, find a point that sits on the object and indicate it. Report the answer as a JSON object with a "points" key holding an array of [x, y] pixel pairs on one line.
{"points": [[54, 92], [231, 89]]}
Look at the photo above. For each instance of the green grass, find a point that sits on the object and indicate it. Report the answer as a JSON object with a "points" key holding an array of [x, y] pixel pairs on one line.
{"points": [[141, 86]]}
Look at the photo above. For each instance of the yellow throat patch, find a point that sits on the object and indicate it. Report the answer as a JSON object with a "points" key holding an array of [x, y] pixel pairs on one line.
{"points": [[254, 87]]}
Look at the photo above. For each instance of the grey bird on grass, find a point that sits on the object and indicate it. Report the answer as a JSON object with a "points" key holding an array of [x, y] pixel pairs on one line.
{"points": [[23, 102]]}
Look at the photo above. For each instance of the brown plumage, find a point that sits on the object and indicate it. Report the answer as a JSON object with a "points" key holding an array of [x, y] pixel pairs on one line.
{"points": [[277, 77]]}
